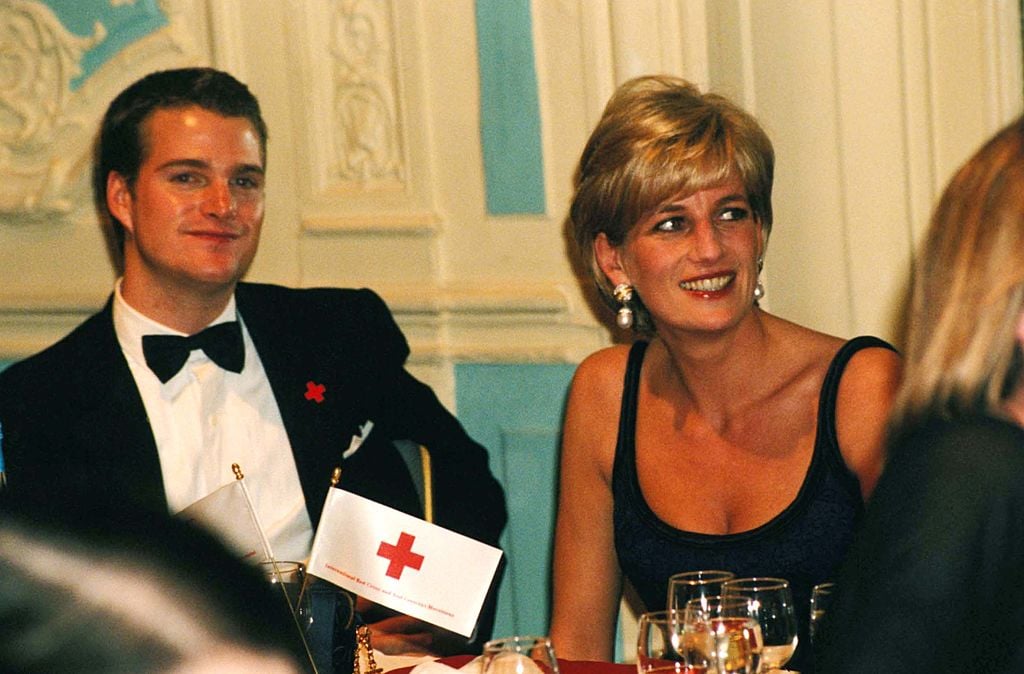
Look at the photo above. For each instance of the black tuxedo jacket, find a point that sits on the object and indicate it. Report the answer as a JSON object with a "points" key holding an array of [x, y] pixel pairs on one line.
{"points": [[75, 428]]}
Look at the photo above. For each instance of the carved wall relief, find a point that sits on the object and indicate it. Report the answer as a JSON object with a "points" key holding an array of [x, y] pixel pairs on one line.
{"points": [[365, 108], [38, 60]]}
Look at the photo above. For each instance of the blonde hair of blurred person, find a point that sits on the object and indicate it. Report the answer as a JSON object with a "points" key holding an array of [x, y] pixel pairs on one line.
{"points": [[673, 197], [104, 602], [934, 582], [965, 323]]}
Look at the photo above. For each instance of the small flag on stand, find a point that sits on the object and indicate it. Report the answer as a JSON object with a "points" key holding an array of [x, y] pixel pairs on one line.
{"points": [[228, 512], [402, 562]]}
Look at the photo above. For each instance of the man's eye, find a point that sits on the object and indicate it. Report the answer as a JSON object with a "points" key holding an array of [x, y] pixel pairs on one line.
{"points": [[248, 183], [183, 178]]}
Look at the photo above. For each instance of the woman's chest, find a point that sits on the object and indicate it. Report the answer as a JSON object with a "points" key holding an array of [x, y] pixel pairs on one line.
{"points": [[720, 481]]}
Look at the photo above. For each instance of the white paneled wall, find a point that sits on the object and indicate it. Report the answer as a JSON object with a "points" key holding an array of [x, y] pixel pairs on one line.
{"points": [[871, 105]]}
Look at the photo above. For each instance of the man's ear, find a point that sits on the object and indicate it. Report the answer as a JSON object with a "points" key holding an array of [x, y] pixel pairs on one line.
{"points": [[609, 260], [119, 199]]}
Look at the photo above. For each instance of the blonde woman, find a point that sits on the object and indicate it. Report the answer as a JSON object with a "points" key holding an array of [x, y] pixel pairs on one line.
{"points": [[936, 581], [725, 437]]}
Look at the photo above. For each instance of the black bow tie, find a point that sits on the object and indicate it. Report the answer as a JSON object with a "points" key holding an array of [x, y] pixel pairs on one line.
{"points": [[165, 354]]}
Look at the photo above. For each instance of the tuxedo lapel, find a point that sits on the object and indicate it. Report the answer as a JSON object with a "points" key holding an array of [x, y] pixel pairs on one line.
{"points": [[319, 412], [114, 434]]}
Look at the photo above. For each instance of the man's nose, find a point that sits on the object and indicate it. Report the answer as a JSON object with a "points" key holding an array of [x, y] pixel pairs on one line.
{"points": [[220, 201]]}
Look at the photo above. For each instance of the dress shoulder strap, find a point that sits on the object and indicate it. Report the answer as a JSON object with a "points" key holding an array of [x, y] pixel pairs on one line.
{"points": [[830, 390], [630, 392]]}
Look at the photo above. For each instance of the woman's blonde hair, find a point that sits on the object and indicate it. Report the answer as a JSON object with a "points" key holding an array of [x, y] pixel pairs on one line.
{"points": [[962, 354], [660, 138]]}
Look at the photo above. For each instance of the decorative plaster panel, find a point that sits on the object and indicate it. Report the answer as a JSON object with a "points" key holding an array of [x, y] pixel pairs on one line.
{"points": [[40, 59], [360, 115]]}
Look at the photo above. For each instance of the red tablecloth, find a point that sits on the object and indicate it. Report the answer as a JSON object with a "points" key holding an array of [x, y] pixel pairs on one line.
{"points": [[565, 666]]}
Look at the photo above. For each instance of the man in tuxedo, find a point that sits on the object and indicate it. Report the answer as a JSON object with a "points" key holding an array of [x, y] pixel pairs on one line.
{"points": [[187, 370]]}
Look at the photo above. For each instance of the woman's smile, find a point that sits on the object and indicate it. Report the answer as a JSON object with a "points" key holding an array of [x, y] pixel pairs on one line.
{"points": [[708, 284]]}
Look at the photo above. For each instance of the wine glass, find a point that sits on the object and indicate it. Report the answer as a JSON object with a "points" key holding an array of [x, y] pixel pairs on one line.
{"points": [[771, 602], [519, 655], [821, 599], [721, 635], [659, 643], [682, 587]]}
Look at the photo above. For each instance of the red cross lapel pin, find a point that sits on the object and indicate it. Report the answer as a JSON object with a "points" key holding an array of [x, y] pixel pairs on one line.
{"points": [[400, 555], [315, 392]]}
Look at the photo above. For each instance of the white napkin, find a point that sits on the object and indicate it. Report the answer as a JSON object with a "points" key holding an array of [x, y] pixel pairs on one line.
{"points": [[474, 666], [388, 662]]}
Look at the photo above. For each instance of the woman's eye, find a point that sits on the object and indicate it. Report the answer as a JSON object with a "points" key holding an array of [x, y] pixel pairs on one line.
{"points": [[736, 213], [670, 225]]}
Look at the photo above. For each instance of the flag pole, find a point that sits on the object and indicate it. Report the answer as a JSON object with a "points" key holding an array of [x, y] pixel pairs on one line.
{"points": [[267, 551], [335, 479], [237, 470]]}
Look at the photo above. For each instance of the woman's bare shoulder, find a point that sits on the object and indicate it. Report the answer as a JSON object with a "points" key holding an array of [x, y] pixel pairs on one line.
{"points": [[595, 397], [602, 371]]}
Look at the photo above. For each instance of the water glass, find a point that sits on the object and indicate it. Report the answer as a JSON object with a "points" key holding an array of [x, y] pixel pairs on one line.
{"points": [[771, 603], [288, 581]]}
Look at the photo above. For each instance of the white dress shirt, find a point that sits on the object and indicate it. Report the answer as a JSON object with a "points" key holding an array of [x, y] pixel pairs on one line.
{"points": [[205, 418]]}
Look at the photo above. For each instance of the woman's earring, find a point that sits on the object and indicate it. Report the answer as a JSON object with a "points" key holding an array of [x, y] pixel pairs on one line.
{"points": [[759, 288], [623, 295]]}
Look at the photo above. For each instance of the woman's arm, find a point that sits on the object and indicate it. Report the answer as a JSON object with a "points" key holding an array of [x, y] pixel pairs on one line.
{"points": [[866, 393], [587, 583]]}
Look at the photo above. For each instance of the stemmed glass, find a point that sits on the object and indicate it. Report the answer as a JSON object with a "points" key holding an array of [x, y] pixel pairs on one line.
{"points": [[659, 643], [721, 635], [771, 603], [821, 599], [519, 655], [682, 587]]}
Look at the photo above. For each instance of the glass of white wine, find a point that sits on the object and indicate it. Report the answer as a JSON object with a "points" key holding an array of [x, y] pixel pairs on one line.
{"points": [[771, 603], [720, 635]]}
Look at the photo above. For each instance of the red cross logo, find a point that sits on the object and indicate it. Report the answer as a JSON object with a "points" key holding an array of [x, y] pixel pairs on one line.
{"points": [[315, 391], [400, 556]]}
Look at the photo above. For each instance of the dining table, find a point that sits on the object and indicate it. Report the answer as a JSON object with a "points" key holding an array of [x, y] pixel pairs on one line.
{"points": [[564, 666]]}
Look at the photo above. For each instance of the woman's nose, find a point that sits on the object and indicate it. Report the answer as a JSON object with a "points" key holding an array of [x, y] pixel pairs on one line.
{"points": [[705, 241]]}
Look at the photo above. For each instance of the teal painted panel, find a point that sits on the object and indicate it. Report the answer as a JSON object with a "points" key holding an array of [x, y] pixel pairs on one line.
{"points": [[123, 23], [516, 412], [509, 108]]}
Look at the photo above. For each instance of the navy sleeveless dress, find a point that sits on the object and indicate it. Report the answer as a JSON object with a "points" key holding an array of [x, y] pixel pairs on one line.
{"points": [[805, 543]]}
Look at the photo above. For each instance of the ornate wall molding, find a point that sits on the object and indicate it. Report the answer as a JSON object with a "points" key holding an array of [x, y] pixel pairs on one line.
{"points": [[40, 59], [360, 110]]}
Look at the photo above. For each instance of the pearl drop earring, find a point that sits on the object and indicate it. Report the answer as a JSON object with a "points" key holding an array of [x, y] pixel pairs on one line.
{"points": [[623, 295]]}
